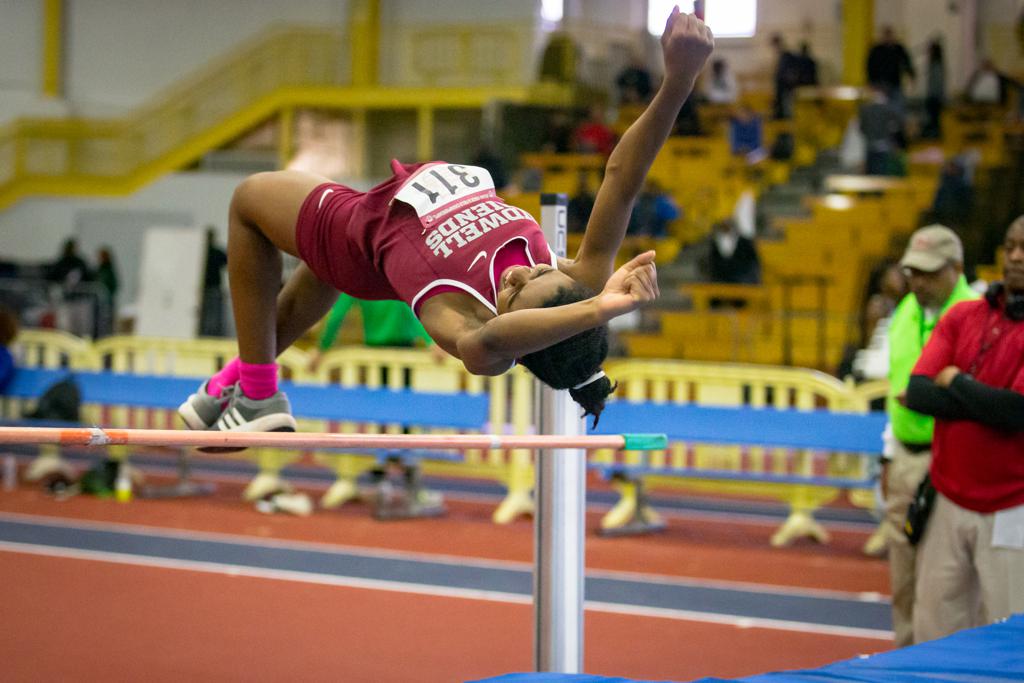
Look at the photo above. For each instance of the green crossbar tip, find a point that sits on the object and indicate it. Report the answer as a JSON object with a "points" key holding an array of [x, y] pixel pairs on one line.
{"points": [[645, 442]]}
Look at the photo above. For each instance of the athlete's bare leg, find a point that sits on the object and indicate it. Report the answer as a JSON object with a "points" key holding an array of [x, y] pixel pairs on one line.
{"points": [[261, 224], [303, 301]]}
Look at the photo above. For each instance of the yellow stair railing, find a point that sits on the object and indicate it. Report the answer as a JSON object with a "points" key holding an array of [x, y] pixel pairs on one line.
{"points": [[81, 156], [276, 72]]}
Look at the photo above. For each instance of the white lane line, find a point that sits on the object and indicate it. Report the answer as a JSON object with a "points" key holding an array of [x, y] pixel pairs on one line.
{"points": [[434, 591]]}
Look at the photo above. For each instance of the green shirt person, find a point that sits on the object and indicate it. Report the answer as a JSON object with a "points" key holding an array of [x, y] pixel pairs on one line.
{"points": [[933, 264], [385, 323]]}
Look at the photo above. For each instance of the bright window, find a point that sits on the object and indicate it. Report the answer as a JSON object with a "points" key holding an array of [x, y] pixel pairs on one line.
{"points": [[727, 18], [552, 10]]}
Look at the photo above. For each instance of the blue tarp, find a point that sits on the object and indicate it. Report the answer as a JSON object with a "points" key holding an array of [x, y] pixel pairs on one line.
{"points": [[466, 411], [815, 429], [992, 654]]}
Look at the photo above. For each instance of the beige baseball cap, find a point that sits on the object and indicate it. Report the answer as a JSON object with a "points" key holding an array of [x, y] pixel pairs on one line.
{"points": [[931, 248]]}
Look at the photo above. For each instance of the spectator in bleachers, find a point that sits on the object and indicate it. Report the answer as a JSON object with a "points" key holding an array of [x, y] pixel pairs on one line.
{"points": [[106, 276], [934, 92], [970, 561], [887, 285], [954, 197], [746, 133], [558, 134], [806, 66], [688, 119], [733, 256], [560, 60], [986, 85], [581, 204], [933, 263], [70, 268], [882, 126], [634, 82], [888, 63], [8, 332], [722, 87], [487, 158], [888, 291], [593, 134], [787, 72], [106, 273], [211, 316], [652, 212]]}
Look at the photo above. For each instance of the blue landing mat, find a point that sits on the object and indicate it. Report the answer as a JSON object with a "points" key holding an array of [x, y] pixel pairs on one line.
{"points": [[992, 654]]}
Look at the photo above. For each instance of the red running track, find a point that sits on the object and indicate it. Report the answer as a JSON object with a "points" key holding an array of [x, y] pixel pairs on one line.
{"points": [[94, 620]]}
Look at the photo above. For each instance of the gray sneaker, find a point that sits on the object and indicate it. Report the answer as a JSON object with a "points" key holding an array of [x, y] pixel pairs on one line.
{"points": [[201, 410], [243, 414]]}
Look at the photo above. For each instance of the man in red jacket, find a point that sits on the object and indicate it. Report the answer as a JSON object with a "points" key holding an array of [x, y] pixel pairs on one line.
{"points": [[971, 378]]}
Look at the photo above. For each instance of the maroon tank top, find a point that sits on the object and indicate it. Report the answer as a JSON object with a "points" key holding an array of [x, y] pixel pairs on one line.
{"points": [[430, 228]]}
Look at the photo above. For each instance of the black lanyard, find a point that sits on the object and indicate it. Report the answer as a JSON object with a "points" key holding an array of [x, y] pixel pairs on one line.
{"points": [[993, 332]]}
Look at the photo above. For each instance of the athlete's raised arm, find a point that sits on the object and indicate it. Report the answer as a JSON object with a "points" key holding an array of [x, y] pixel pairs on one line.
{"points": [[490, 348], [686, 45]]}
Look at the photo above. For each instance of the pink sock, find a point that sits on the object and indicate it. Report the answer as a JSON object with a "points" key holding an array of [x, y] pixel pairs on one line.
{"points": [[258, 381], [227, 376]]}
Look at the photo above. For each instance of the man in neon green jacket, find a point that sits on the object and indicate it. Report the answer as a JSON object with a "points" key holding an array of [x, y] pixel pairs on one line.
{"points": [[385, 323], [933, 264]]}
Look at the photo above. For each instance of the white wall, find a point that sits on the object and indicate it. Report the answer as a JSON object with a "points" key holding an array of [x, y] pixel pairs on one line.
{"points": [[21, 61], [34, 228], [120, 53], [20, 45], [400, 19]]}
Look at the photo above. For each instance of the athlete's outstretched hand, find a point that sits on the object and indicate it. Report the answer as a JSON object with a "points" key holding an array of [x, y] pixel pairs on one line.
{"points": [[631, 286], [686, 43]]}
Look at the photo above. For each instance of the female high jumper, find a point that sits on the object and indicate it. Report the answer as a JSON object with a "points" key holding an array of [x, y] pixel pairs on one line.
{"points": [[476, 271]]}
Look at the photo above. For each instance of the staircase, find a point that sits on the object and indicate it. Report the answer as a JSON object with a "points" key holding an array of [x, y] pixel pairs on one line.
{"points": [[272, 75]]}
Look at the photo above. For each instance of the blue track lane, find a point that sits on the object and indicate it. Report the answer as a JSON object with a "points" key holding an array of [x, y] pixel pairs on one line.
{"points": [[787, 605]]}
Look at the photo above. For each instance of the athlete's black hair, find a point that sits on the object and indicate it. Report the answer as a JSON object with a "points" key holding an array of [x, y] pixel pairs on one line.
{"points": [[574, 360]]}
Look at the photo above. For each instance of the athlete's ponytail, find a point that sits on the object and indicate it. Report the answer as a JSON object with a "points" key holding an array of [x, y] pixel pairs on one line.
{"points": [[575, 363]]}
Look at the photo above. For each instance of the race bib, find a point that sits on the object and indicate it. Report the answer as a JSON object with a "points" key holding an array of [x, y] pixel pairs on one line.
{"points": [[1008, 528], [439, 189]]}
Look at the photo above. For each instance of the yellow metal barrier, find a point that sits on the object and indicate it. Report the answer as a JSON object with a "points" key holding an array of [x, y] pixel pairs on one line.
{"points": [[737, 385], [190, 358], [52, 349], [47, 349], [511, 397], [511, 410]]}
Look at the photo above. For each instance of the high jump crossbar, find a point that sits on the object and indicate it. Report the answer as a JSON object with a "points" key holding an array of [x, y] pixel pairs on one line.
{"points": [[99, 436]]}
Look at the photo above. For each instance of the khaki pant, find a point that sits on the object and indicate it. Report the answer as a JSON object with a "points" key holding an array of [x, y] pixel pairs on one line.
{"points": [[904, 474], [962, 580]]}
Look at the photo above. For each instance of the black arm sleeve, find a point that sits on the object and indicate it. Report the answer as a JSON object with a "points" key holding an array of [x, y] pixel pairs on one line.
{"points": [[999, 408], [924, 396]]}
